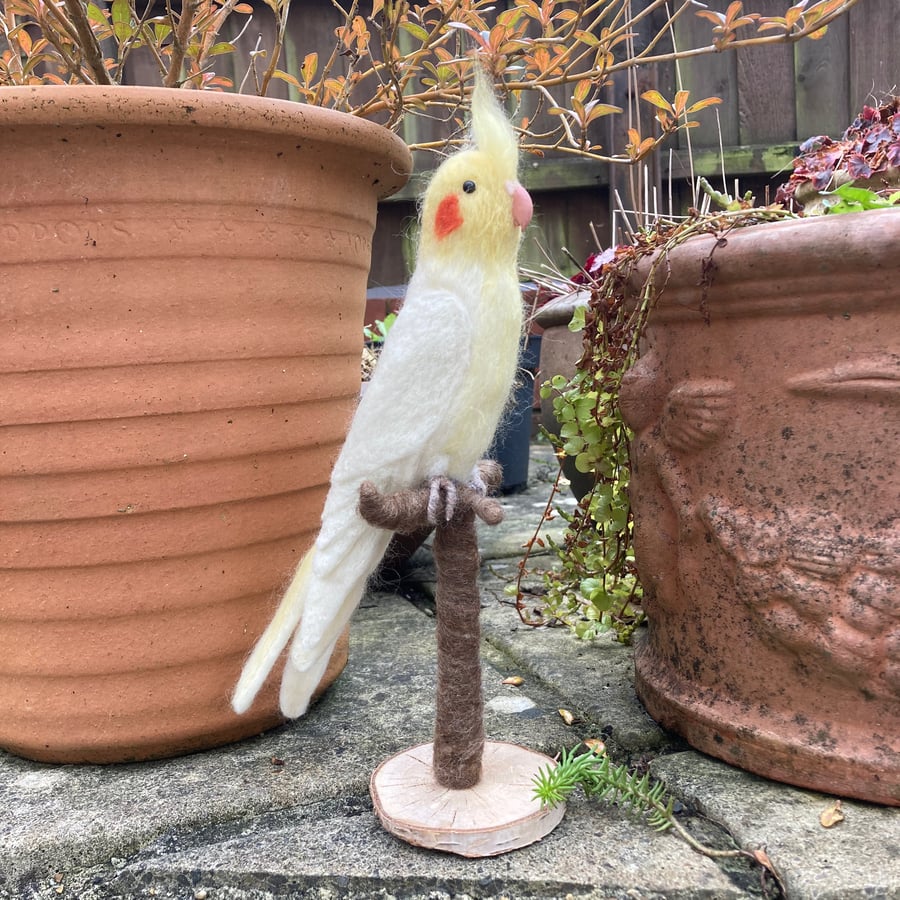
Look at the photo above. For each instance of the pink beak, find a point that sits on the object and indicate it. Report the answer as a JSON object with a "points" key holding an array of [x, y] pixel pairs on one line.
{"points": [[522, 207]]}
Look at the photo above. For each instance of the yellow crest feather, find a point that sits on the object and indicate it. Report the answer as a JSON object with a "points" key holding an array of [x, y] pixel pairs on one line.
{"points": [[490, 128]]}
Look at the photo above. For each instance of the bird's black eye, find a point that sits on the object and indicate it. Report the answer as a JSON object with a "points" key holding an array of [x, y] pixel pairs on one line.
{"points": [[469, 187]]}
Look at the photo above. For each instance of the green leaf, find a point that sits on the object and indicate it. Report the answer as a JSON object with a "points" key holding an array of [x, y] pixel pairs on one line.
{"points": [[225, 47], [577, 323], [584, 463], [121, 19], [95, 14], [585, 408], [416, 31], [848, 198]]}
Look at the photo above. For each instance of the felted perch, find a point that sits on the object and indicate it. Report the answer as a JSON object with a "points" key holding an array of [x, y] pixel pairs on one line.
{"points": [[458, 793]]}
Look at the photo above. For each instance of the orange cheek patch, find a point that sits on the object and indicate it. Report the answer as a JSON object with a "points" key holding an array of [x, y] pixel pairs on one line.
{"points": [[448, 217]]}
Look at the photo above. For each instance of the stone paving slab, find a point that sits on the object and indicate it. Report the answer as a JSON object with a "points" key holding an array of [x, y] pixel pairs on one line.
{"points": [[232, 823], [855, 859], [320, 849]]}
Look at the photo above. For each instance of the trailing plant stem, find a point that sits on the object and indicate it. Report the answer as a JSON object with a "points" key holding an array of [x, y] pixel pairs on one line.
{"points": [[599, 778]]}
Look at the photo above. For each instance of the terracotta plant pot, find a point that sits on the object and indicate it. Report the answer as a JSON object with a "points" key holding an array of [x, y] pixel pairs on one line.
{"points": [[765, 490], [182, 293]]}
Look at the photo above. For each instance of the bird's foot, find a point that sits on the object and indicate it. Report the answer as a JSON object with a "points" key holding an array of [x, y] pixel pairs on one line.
{"points": [[485, 477], [477, 483], [442, 497]]}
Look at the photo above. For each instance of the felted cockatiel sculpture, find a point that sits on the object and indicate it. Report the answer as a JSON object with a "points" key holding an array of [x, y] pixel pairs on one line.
{"points": [[433, 405]]}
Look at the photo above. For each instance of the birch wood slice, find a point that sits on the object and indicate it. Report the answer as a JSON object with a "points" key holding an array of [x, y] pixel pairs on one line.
{"points": [[499, 814]]}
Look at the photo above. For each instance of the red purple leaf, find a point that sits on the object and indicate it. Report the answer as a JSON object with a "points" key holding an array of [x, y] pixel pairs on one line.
{"points": [[857, 166]]}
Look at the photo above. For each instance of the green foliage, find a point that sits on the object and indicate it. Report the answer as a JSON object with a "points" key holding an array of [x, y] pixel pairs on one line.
{"points": [[595, 588], [379, 331], [848, 199], [595, 773]]}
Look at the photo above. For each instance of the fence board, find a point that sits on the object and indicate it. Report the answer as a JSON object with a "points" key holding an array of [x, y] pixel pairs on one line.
{"points": [[765, 79], [563, 219], [874, 51], [713, 75], [393, 244], [822, 75]]}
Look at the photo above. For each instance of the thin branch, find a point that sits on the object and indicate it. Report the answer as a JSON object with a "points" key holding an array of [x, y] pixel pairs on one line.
{"points": [[181, 36], [284, 9], [126, 48], [87, 40]]}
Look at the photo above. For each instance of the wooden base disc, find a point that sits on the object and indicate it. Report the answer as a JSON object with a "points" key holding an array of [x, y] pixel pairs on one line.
{"points": [[499, 814]]}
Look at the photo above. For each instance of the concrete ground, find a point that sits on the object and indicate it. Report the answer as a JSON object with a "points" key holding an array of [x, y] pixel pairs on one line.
{"points": [[288, 814]]}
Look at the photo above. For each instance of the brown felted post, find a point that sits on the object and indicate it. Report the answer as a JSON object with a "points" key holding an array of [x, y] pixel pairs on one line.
{"points": [[459, 721], [425, 794]]}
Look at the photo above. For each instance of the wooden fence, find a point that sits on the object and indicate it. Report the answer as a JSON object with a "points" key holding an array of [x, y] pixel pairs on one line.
{"points": [[773, 98]]}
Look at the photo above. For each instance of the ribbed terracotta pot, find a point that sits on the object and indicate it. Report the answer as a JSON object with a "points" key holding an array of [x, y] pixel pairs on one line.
{"points": [[767, 501], [181, 297]]}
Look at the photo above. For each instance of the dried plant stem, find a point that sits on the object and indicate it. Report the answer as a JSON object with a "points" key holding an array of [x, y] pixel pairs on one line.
{"points": [[283, 10], [93, 55], [211, 35], [181, 35], [595, 773], [326, 71]]}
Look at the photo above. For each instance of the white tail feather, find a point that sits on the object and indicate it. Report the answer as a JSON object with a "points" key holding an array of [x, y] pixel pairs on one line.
{"points": [[332, 594], [318, 604], [274, 639], [297, 687], [335, 591]]}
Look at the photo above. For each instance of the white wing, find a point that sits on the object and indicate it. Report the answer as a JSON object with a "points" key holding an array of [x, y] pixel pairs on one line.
{"points": [[396, 434], [395, 442]]}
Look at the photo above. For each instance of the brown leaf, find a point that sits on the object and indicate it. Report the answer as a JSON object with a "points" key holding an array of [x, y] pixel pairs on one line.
{"points": [[596, 745], [514, 680], [762, 858], [567, 716], [831, 815]]}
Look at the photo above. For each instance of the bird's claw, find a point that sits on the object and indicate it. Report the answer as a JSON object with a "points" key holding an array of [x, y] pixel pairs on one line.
{"points": [[477, 483], [442, 497]]}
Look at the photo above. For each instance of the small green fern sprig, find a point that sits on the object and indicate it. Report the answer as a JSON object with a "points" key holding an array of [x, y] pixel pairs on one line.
{"points": [[595, 773], [599, 778]]}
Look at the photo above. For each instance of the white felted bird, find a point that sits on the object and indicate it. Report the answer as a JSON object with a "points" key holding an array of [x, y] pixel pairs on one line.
{"points": [[432, 407]]}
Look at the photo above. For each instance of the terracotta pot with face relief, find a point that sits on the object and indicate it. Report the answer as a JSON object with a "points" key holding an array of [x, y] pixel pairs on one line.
{"points": [[766, 406], [181, 301]]}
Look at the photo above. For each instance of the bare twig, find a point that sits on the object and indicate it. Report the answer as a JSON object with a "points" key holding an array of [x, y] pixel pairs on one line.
{"points": [[93, 57], [283, 10], [181, 35]]}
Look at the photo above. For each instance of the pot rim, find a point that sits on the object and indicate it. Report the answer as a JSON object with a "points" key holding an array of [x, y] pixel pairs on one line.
{"points": [[135, 105], [785, 266]]}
